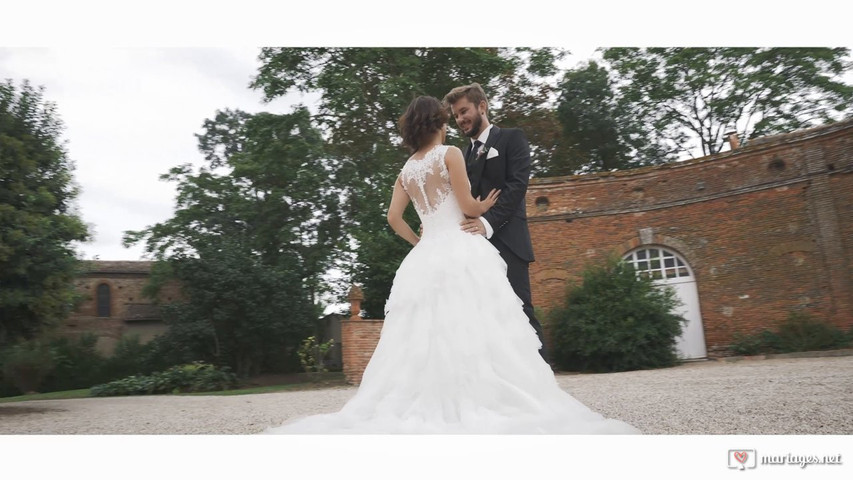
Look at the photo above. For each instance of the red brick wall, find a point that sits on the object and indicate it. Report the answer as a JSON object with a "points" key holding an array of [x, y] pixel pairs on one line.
{"points": [[843, 185], [359, 338], [766, 229], [126, 281], [124, 290]]}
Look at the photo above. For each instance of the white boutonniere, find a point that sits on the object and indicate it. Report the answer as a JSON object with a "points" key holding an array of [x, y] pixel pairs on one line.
{"points": [[480, 150]]}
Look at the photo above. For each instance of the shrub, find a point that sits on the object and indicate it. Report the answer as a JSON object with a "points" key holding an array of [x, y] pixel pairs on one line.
{"points": [[615, 321], [800, 332], [130, 357], [193, 377], [77, 364], [312, 355], [26, 364]]}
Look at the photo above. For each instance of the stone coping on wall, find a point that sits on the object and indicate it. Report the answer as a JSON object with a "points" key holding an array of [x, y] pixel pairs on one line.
{"points": [[101, 267], [753, 145]]}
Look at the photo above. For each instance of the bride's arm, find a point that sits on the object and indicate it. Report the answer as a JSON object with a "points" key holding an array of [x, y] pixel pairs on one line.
{"points": [[462, 189], [399, 201]]}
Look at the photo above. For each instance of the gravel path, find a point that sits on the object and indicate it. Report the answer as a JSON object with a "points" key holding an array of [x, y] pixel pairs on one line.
{"points": [[750, 397]]}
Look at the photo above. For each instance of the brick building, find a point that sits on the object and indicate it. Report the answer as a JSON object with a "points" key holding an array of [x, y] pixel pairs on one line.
{"points": [[114, 305], [745, 236]]}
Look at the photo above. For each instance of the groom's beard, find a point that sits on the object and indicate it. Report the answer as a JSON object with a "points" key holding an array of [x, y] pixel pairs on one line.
{"points": [[476, 126]]}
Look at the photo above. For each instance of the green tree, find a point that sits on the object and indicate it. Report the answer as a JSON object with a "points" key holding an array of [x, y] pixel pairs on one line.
{"points": [[363, 93], [693, 97], [600, 136], [616, 320], [38, 224], [252, 234], [524, 99]]}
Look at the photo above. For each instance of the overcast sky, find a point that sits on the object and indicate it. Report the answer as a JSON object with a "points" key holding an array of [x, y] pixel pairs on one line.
{"points": [[132, 99], [130, 116]]}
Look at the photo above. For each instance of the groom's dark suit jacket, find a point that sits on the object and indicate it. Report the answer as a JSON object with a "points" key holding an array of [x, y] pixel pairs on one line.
{"points": [[509, 171]]}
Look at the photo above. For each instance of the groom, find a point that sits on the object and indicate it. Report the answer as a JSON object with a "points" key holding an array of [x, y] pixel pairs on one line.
{"points": [[498, 158]]}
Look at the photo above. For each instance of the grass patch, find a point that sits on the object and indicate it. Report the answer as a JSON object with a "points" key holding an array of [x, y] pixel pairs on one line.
{"points": [[81, 393], [300, 382], [270, 389], [295, 382]]}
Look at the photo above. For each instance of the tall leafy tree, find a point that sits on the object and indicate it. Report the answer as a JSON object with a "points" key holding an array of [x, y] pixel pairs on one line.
{"points": [[252, 234], [693, 96], [38, 224], [599, 134], [363, 93], [526, 100]]}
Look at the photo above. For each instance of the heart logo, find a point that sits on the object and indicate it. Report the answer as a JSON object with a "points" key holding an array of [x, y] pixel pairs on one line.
{"points": [[740, 456]]}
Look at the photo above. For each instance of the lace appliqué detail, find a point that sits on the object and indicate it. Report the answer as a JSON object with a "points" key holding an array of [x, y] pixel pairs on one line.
{"points": [[427, 180]]}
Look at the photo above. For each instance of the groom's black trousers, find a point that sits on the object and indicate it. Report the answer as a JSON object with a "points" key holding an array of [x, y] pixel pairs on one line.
{"points": [[518, 273]]}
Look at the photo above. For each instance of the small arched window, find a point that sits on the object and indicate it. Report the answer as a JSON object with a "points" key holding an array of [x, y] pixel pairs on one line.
{"points": [[103, 300]]}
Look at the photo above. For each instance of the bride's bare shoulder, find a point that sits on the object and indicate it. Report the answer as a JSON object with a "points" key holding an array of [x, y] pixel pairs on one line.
{"points": [[453, 152]]}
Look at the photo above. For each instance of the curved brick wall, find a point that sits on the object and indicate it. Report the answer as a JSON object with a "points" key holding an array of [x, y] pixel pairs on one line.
{"points": [[767, 228]]}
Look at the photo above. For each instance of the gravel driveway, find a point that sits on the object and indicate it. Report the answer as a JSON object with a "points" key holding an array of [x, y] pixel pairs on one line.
{"points": [[750, 397]]}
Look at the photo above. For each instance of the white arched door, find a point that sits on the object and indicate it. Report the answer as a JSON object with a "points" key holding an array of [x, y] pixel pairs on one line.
{"points": [[668, 268]]}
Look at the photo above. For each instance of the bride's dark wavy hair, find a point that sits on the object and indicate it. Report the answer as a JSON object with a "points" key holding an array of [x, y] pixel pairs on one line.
{"points": [[424, 116]]}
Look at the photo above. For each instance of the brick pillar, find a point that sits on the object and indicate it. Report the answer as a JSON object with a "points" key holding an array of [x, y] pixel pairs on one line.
{"points": [[358, 338], [824, 214]]}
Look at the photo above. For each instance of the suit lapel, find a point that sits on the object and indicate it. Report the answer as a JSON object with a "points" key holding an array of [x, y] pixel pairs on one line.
{"points": [[475, 169], [468, 154]]}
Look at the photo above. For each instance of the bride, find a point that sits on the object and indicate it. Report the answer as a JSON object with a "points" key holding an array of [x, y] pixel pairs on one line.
{"points": [[457, 353]]}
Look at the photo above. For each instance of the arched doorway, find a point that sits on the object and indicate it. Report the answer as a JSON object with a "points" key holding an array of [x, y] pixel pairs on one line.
{"points": [[668, 268]]}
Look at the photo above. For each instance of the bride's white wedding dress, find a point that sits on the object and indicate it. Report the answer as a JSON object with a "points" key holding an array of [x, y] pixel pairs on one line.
{"points": [[457, 354]]}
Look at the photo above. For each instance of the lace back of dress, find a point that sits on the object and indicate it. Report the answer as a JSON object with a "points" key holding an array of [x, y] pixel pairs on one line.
{"points": [[427, 181]]}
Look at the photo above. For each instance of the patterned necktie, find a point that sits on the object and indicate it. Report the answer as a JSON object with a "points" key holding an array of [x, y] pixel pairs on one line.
{"points": [[473, 155]]}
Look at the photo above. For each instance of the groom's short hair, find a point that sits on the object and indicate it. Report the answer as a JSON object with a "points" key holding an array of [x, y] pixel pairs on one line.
{"points": [[474, 93]]}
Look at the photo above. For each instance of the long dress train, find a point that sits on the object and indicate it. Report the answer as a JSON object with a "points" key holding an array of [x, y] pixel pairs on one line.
{"points": [[457, 354]]}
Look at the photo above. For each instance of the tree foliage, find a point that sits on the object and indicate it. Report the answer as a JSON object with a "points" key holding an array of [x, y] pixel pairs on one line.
{"points": [[38, 224], [692, 97], [525, 99], [616, 320], [600, 134], [253, 232], [363, 92]]}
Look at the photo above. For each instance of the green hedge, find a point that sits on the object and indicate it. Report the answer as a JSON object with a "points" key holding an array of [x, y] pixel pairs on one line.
{"points": [[193, 377], [59, 363], [25, 365], [800, 332]]}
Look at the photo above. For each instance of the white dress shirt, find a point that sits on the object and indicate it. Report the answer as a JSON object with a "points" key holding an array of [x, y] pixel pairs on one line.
{"points": [[482, 138]]}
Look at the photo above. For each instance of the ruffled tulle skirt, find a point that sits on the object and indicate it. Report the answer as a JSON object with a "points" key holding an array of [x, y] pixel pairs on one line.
{"points": [[456, 355]]}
